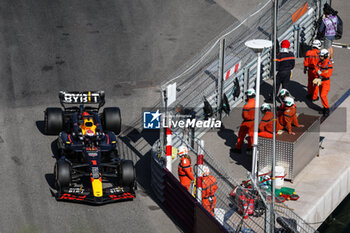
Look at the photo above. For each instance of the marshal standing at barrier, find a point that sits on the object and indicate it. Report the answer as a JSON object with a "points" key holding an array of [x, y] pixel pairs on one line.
{"points": [[324, 70], [285, 62], [247, 126], [185, 168], [310, 63], [209, 187]]}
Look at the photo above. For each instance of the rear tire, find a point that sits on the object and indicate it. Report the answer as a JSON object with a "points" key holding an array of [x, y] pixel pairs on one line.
{"points": [[53, 122], [112, 120], [62, 174], [127, 171]]}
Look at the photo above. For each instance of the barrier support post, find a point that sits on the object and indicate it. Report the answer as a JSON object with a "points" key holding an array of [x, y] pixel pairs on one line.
{"points": [[168, 146], [246, 79], [296, 40], [199, 171], [161, 131], [221, 77]]}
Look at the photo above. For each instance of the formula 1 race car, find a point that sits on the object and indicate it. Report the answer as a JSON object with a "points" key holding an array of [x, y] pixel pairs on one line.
{"points": [[88, 167]]}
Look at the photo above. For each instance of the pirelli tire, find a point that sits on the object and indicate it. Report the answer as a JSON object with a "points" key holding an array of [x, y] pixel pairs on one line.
{"points": [[127, 173], [112, 120], [62, 174], [53, 121]]}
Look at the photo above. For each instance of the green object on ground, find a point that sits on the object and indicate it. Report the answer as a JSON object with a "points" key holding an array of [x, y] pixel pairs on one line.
{"points": [[285, 190]]}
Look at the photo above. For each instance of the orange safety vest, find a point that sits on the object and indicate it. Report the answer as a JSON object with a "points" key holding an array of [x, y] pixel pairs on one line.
{"points": [[288, 118], [185, 172], [312, 58], [248, 113], [209, 187], [326, 67], [266, 124]]}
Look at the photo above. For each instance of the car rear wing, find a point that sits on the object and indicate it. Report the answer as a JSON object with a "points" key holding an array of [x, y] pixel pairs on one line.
{"points": [[85, 97]]}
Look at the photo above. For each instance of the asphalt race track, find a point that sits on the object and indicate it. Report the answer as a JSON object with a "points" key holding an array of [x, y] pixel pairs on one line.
{"points": [[123, 47]]}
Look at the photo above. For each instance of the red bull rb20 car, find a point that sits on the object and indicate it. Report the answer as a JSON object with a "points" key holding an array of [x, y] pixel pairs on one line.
{"points": [[88, 167]]}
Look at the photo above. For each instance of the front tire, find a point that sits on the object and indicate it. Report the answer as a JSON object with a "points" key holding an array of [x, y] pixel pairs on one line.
{"points": [[62, 173], [112, 120], [53, 122], [128, 174]]}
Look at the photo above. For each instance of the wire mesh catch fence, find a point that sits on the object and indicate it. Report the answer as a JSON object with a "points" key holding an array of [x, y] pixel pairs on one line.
{"points": [[198, 79], [233, 213]]}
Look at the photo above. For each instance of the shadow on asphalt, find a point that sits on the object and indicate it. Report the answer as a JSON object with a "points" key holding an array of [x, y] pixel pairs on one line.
{"points": [[228, 135], [50, 179], [243, 159], [143, 163], [40, 126], [299, 92], [54, 149]]}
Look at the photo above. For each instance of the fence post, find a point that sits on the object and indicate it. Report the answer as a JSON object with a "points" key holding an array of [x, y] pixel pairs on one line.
{"points": [[199, 171], [245, 79], [296, 40], [221, 76], [168, 146], [161, 131]]}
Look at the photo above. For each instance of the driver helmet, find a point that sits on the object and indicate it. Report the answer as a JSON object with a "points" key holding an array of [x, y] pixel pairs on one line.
{"points": [[88, 127]]}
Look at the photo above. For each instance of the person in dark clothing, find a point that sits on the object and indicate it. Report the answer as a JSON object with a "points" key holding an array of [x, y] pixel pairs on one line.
{"points": [[285, 62]]}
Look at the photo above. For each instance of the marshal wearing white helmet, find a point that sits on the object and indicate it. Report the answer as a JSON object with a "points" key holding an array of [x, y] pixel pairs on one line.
{"points": [[310, 63], [289, 116], [266, 123], [209, 187], [247, 126], [185, 170], [324, 71]]}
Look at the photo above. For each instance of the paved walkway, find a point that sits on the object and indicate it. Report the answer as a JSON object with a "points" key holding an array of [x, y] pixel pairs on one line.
{"points": [[325, 182]]}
